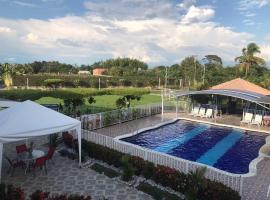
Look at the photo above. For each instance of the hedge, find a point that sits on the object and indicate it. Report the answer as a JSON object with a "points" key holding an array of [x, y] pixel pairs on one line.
{"points": [[23, 94], [162, 175], [37, 80]]}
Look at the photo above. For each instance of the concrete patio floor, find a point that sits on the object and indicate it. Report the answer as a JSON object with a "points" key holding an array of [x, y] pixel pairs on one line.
{"points": [[65, 177]]}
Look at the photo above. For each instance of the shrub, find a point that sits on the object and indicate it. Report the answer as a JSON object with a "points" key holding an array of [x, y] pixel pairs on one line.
{"points": [[40, 195], [53, 83], [162, 175], [9, 192], [128, 170], [125, 82]]}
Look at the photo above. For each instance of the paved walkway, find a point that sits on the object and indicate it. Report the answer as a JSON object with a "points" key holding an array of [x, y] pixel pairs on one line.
{"points": [[255, 188], [66, 177], [131, 126]]}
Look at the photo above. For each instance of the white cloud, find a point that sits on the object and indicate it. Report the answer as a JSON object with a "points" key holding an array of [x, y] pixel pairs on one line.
{"points": [[186, 4], [251, 4], [248, 22], [132, 9], [101, 33], [4, 29], [198, 14], [25, 4], [265, 52]]}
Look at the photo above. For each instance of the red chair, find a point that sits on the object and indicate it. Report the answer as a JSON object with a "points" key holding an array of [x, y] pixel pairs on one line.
{"points": [[21, 148], [40, 163], [14, 164], [50, 153]]}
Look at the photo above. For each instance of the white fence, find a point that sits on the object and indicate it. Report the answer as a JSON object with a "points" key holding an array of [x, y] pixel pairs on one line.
{"points": [[233, 181], [100, 120]]}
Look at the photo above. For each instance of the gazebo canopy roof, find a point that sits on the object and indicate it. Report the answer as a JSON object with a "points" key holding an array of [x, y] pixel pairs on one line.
{"points": [[242, 85], [237, 88]]}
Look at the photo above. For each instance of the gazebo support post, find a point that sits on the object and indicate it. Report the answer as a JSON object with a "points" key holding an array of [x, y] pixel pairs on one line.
{"points": [[1, 162], [176, 108]]}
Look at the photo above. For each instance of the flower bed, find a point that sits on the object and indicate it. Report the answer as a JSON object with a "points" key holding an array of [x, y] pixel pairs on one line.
{"points": [[164, 176]]}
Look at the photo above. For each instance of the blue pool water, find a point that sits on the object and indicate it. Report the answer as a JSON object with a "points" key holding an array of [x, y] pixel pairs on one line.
{"points": [[227, 149]]}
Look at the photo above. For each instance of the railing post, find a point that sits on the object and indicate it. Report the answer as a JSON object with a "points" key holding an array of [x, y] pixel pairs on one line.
{"points": [[187, 170], [100, 123], [241, 186], [145, 155]]}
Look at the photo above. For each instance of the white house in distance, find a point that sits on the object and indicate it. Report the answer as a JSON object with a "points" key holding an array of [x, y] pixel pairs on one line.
{"points": [[84, 72]]}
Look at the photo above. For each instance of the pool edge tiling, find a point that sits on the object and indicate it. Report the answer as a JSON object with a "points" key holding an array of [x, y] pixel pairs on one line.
{"points": [[220, 142]]}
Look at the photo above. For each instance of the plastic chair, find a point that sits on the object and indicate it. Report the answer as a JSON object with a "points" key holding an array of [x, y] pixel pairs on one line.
{"points": [[21, 148], [50, 153], [40, 163], [14, 164]]}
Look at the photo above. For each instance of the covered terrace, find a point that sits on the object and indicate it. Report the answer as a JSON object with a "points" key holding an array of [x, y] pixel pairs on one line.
{"points": [[236, 102]]}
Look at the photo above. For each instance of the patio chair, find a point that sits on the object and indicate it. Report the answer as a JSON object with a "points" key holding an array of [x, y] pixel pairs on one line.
{"points": [[208, 114], [40, 163], [68, 139], [50, 153], [21, 149], [194, 111], [13, 164], [247, 118], [201, 112], [257, 120]]}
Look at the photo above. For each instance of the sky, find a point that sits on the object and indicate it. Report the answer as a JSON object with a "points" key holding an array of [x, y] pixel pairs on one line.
{"points": [[158, 32]]}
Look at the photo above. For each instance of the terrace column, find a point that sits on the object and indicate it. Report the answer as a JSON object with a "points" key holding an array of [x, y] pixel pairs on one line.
{"points": [[162, 104]]}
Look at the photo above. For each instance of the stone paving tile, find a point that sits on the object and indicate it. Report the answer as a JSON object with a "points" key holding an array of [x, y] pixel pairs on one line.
{"points": [[255, 188], [65, 176]]}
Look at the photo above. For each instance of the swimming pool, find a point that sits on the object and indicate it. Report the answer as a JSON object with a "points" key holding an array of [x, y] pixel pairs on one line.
{"points": [[224, 148]]}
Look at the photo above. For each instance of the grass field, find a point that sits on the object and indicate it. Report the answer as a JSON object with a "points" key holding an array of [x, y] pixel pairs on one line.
{"points": [[104, 102]]}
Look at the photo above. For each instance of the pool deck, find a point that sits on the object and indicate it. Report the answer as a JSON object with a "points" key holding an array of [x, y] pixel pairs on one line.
{"points": [[132, 126], [254, 188]]}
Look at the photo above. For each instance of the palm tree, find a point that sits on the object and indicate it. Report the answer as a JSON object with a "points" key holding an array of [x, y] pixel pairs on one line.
{"points": [[6, 74], [248, 58]]}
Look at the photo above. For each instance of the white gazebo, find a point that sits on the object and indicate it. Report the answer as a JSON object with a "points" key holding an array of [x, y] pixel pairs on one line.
{"points": [[29, 119]]}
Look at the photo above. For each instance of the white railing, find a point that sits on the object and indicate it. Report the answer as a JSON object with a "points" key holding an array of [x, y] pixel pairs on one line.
{"points": [[100, 120], [231, 180]]}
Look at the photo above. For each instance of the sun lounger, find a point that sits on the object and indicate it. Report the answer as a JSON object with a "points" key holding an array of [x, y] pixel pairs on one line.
{"points": [[247, 118], [194, 111], [257, 120], [208, 114], [201, 112]]}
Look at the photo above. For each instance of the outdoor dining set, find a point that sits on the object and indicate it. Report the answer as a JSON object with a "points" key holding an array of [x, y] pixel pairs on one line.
{"points": [[29, 159]]}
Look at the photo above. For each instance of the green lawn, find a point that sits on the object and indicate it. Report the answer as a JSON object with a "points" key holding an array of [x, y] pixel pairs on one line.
{"points": [[104, 102], [157, 193]]}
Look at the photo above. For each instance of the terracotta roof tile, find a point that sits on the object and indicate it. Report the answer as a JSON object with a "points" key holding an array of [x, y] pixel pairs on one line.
{"points": [[240, 84]]}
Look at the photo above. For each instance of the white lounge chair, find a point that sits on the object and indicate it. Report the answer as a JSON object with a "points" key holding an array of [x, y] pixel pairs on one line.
{"points": [[247, 118], [208, 114], [201, 112], [194, 111], [257, 120]]}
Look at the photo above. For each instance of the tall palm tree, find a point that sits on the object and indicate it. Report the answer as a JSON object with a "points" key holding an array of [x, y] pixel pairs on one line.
{"points": [[248, 58], [6, 74]]}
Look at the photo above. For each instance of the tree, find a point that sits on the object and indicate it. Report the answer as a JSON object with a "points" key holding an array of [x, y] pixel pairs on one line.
{"points": [[53, 83], [125, 101], [91, 100], [7, 72], [248, 58]]}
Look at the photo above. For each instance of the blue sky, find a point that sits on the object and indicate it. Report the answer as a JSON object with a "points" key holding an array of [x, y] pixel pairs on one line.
{"points": [[155, 31]]}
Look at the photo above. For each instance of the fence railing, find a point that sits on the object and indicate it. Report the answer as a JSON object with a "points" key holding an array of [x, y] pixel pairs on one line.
{"points": [[103, 119], [233, 181]]}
